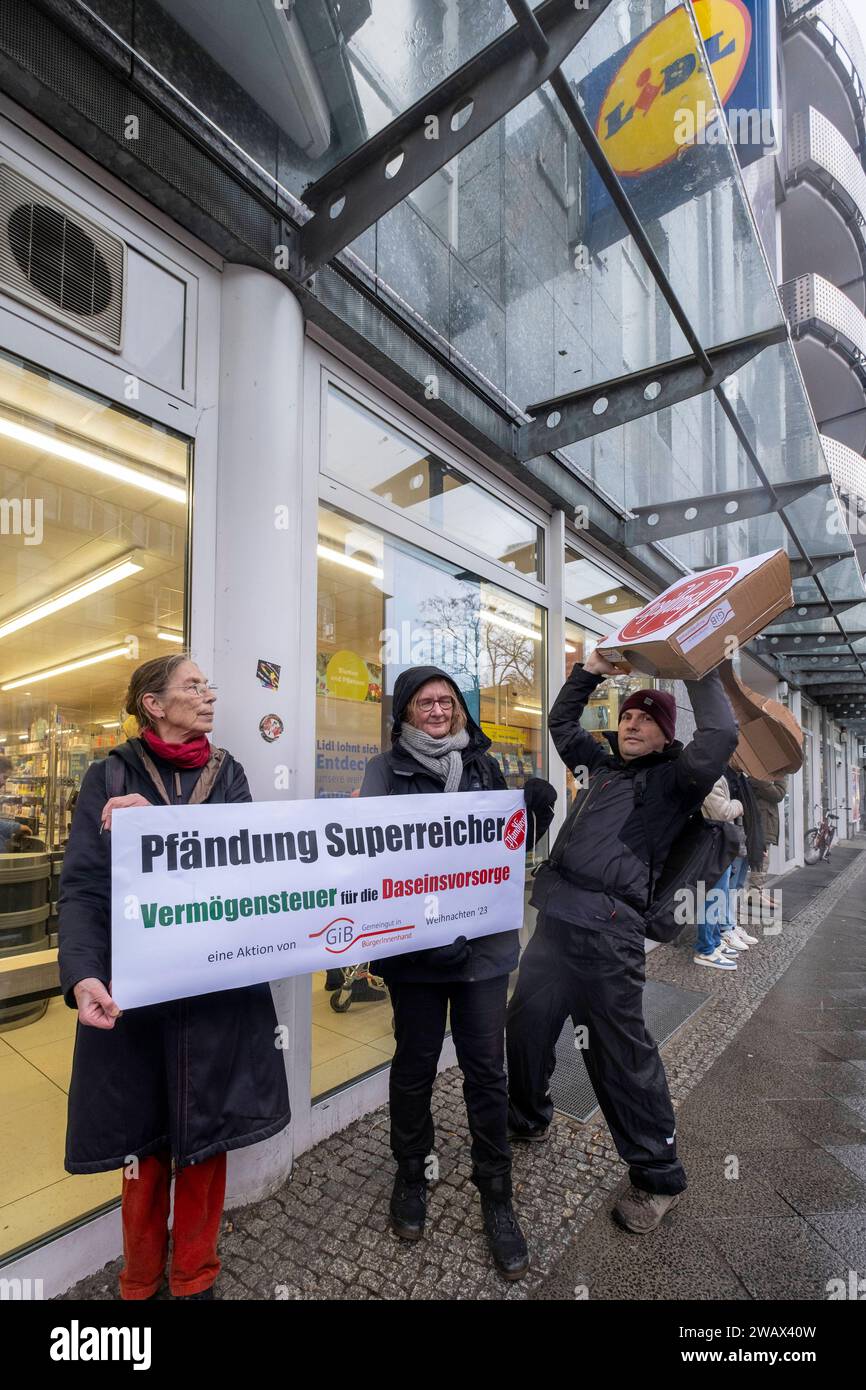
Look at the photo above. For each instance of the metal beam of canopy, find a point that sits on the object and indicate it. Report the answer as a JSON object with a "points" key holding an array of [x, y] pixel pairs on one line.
{"points": [[365, 185], [563, 420], [802, 569], [705, 513], [825, 661], [805, 612], [852, 670], [854, 692], [806, 645], [828, 680]]}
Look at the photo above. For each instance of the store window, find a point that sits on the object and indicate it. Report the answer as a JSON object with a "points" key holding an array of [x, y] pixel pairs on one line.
{"points": [[592, 587], [374, 457], [94, 518], [382, 606]]}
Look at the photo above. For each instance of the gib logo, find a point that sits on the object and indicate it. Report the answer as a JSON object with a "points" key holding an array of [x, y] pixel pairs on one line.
{"points": [[676, 602], [338, 934], [342, 932], [515, 830], [663, 74]]}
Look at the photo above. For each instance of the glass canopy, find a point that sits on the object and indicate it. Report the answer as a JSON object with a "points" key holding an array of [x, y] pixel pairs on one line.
{"points": [[512, 258]]}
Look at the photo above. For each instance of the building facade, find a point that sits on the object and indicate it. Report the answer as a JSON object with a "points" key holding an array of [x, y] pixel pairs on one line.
{"points": [[315, 455]]}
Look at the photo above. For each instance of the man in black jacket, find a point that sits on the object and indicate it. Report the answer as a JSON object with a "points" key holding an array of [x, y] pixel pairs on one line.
{"points": [[586, 958]]}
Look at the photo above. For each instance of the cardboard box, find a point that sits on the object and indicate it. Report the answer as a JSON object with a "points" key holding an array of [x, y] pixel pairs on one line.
{"points": [[682, 633], [771, 740]]}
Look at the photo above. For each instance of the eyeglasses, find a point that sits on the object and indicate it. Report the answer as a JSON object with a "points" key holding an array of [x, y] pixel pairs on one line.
{"points": [[446, 704], [191, 688]]}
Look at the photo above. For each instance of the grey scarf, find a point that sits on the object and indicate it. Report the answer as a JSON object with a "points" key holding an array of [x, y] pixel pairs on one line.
{"points": [[441, 756]]}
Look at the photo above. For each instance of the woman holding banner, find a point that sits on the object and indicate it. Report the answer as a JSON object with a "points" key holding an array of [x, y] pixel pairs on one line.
{"points": [[183, 1081], [437, 746]]}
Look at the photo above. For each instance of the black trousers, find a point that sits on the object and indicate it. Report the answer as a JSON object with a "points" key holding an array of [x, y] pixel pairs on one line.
{"points": [[596, 978], [478, 1030]]}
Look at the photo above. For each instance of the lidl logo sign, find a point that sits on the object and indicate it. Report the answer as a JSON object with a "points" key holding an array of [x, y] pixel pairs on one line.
{"points": [[656, 114], [663, 73]]}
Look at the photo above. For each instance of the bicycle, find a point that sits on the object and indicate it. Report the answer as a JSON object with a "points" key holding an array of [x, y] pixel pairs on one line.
{"points": [[820, 838]]}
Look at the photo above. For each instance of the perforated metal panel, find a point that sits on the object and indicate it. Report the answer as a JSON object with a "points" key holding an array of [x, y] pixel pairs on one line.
{"points": [[60, 263], [817, 146], [666, 1008], [810, 298]]}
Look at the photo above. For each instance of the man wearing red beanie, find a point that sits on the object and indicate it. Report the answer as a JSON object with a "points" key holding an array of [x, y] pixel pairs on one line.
{"points": [[586, 958]]}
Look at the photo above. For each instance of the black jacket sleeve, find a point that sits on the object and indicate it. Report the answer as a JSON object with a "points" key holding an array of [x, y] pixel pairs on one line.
{"points": [[85, 891], [702, 761], [237, 787], [377, 778], [574, 744]]}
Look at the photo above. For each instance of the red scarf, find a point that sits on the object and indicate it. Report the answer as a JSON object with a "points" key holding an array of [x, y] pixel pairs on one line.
{"points": [[195, 752]]}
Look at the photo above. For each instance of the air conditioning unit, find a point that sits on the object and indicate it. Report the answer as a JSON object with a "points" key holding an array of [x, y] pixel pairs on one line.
{"points": [[59, 262]]}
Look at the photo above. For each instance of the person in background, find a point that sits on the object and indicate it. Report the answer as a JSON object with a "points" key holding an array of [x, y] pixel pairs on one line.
{"points": [[709, 948], [438, 747], [185, 1080], [13, 830], [769, 796], [736, 935]]}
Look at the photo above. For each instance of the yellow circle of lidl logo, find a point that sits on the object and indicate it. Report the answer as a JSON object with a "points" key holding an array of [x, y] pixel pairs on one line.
{"points": [[663, 77]]}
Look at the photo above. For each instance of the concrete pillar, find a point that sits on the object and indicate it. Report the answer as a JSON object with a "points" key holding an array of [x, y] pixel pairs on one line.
{"points": [[257, 604]]}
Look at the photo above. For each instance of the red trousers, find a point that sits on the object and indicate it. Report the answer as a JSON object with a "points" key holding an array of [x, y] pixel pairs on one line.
{"points": [[199, 1193]]}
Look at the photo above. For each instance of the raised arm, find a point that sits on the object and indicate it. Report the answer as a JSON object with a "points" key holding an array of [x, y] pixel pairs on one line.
{"points": [[703, 760], [574, 744]]}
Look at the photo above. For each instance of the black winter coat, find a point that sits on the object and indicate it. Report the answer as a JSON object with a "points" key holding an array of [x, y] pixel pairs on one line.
{"points": [[609, 851], [197, 1076], [396, 773]]}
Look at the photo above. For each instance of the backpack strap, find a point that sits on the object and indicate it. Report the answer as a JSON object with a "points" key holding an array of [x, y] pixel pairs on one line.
{"points": [[115, 776]]}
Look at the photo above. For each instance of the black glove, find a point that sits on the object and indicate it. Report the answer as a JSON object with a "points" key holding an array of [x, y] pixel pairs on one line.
{"points": [[539, 795], [444, 957]]}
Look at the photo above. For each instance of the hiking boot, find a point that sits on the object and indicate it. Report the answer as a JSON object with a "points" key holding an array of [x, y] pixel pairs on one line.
{"points": [[505, 1239], [364, 993], [641, 1212], [529, 1136], [408, 1207]]}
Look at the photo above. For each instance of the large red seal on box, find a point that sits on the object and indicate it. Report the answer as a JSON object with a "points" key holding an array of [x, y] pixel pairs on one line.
{"points": [[677, 603]]}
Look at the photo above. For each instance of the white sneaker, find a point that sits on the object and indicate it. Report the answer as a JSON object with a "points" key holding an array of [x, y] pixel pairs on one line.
{"points": [[717, 960], [744, 936], [731, 938]]}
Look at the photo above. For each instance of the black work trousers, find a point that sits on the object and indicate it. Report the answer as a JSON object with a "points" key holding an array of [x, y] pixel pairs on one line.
{"points": [[596, 978], [478, 1030]]}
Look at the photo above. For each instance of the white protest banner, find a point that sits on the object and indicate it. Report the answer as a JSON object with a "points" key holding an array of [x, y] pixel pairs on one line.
{"points": [[212, 897]]}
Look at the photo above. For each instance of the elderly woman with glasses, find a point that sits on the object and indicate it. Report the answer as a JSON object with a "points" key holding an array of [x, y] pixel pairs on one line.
{"points": [[183, 1081], [437, 746]]}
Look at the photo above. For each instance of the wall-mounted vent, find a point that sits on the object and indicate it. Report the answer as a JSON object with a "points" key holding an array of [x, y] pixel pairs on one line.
{"points": [[59, 262]]}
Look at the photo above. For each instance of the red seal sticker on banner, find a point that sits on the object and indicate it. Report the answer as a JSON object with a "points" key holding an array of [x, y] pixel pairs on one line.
{"points": [[515, 830], [676, 603]]}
